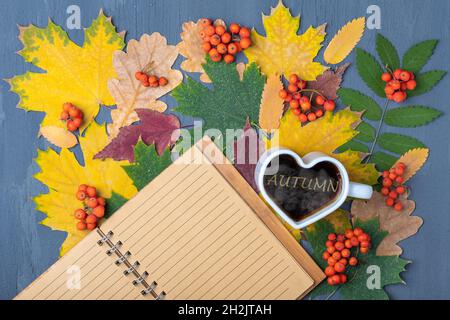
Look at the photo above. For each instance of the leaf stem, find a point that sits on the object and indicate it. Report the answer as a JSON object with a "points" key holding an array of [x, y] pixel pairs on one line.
{"points": [[377, 134]]}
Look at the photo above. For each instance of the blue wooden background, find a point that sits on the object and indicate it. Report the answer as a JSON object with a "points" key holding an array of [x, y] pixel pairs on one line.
{"points": [[28, 248]]}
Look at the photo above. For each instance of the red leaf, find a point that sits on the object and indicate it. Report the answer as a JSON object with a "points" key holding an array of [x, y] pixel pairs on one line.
{"points": [[329, 82], [154, 128], [247, 150]]}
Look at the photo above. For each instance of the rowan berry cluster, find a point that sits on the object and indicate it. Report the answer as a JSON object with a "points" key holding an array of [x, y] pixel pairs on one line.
{"points": [[302, 102], [72, 115], [393, 186], [93, 208], [220, 43], [150, 80], [338, 254], [398, 83]]}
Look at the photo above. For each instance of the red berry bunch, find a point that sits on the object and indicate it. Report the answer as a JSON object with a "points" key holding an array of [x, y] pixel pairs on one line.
{"points": [[72, 115], [303, 106], [393, 186], [220, 43], [93, 208], [150, 80], [338, 254], [398, 83]]}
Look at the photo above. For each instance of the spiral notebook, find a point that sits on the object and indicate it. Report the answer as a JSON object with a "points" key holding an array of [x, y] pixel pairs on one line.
{"points": [[197, 231]]}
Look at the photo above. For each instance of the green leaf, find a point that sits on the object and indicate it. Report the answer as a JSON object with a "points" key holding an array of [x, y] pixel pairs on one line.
{"points": [[366, 132], [355, 146], [383, 160], [411, 116], [387, 53], [418, 55], [114, 203], [389, 267], [370, 71], [360, 102], [398, 143], [147, 164], [228, 104], [426, 81]]}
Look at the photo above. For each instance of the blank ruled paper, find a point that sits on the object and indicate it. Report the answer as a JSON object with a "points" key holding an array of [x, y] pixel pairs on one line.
{"points": [[194, 235]]}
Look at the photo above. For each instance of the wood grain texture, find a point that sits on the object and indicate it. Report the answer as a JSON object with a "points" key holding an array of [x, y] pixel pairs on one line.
{"points": [[27, 248]]}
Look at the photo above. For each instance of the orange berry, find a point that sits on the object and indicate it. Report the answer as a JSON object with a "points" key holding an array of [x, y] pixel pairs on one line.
{"points": [[401, 164], [386, 77], [330, 281], [232, 48], [403, 86], [399, 96], [387, 182], [74, 112], [215, 55], [398, 206], [331, 250], [399, 171], [91, 226], [329, 105], [332, 237], [91, 191], [147, 84], [220, 30], [77, 122], [99, 211], [329, 243], [397, 73], [340, 238], [405, 76], [245, 43], [331, 261], [325, 255], [288, 98], [339, 267], [235, 28], [336, 255], [163, 81], [206, 46], [226, 38], [349, 233], [203, 35], [303, 118], [353, 261], [394, 84], [82, 187], [329, 271], [64, 115], [389, 202], [363, 237], [283, 94], [312, 116], [301, 84], [345, 253], [91, 219], [364, 250], [348, 244], [392, 176], [354, 241], [365, 244], [210, 30], [67, 106], [319, 113], [81, 225], [222, 48], [384, 191], [244, 32], [399, 180], [152, 79], [215, 40], [101, 201], [294, 104], [400, 189], [343, 278], [91, 202], [339, 246], [293, 78], [357, 231], [336, 279], [71, 126], [389, 90], [229, 58], [305, 104], [343, 261], [154, 84], [204, 22], [292, 88], [81, 195], [80, 214], [139, 75], [320, 100], [411, 84]]}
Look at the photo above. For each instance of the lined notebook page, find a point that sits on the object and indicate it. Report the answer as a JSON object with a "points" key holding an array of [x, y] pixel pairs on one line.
{"points": [[194, 235]]}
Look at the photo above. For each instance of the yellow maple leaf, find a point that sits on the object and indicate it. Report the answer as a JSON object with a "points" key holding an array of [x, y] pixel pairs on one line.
{"points": [[62, 174], [72, 73], [282, 51], [326, 135]]}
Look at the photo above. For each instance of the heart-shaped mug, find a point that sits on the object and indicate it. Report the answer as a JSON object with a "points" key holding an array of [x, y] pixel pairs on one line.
{"points": [[305, 189]]}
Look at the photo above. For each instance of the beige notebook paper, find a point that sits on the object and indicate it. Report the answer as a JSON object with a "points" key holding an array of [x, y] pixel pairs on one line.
{"points": [[197, 231]]}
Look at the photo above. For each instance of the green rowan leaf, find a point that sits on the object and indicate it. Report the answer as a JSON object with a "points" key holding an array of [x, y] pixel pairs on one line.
{"points": [[387, 53], [411, 116], [370, 71], [398, 143], [358, 101], [426, 81], [418, 55]]}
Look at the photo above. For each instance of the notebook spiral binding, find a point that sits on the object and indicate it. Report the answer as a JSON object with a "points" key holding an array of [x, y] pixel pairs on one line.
{"points": [[149, 288]]}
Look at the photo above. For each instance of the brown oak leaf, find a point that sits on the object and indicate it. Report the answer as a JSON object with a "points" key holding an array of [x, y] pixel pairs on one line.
{"points": [[154, 127], [329, 82], [399, 225]]}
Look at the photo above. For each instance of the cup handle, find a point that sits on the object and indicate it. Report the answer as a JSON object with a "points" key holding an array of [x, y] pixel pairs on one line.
{"points": [[360, 191]]}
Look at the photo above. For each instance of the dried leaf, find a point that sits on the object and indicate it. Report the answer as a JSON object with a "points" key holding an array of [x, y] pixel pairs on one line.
{"points": [[154, 127], [72, 73], [247, 150], [282, 51], [150, 53], [344, 41], [399, 225], [414, 160], [272, 106], [59, 136], [329, 82], [190, 47]]}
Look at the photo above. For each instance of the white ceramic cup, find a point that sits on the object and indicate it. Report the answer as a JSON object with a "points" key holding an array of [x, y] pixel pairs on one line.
{"points": [[348, 189]]}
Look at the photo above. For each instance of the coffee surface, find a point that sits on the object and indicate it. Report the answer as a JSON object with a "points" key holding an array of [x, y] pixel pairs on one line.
{"points": [[298, 191]]}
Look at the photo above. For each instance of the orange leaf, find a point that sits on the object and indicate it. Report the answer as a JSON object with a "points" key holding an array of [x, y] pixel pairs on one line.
{"points": [[272, 106], [414, 159]]}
